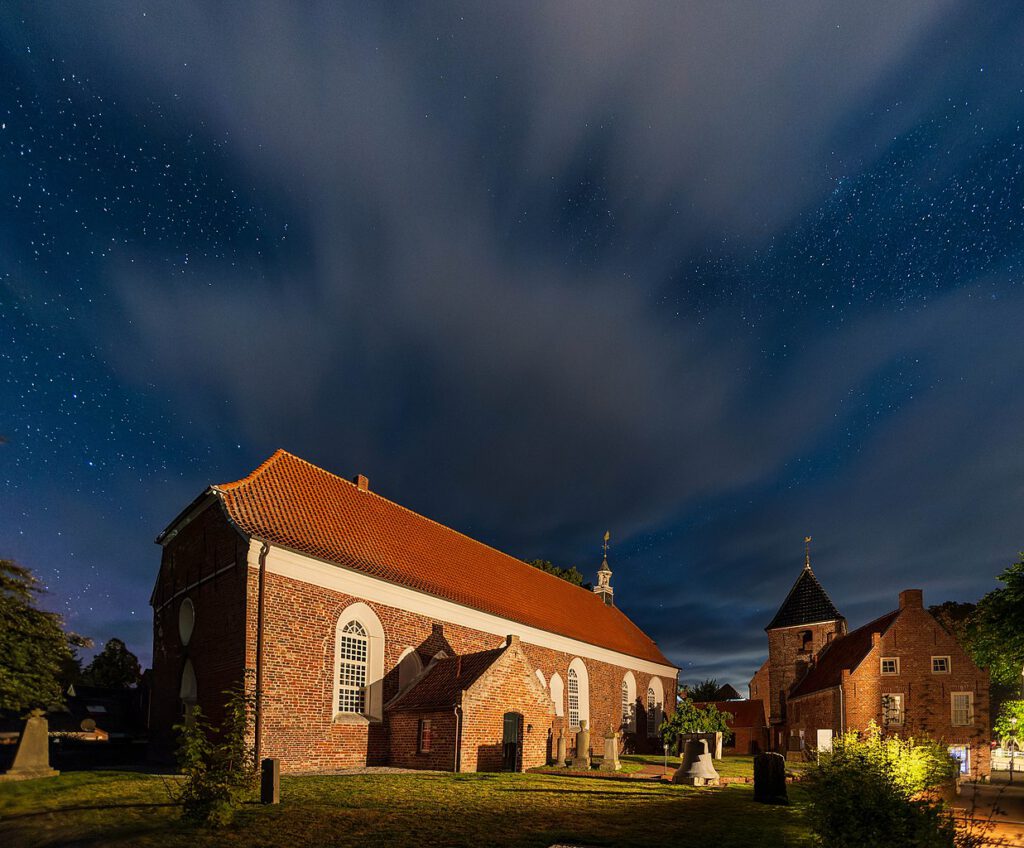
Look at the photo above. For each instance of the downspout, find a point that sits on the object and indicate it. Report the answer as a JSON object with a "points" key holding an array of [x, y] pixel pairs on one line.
{"points": [[458, 737], [842, 710], [258, 724]]}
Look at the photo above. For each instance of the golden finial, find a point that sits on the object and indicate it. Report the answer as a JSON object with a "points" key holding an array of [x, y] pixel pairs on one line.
{"points": [[607, 536], [807, 551]]}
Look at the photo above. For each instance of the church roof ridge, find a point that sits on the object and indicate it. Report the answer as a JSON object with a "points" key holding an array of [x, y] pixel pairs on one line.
{"points": [[293, 503]]}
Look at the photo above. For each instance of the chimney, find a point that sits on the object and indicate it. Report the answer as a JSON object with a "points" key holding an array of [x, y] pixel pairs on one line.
{"points": [[912, 598], [877, 637], [511, 640], [362, 483]]}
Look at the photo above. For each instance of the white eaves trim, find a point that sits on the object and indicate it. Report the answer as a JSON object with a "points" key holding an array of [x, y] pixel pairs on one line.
{"points": [[332, 576]]}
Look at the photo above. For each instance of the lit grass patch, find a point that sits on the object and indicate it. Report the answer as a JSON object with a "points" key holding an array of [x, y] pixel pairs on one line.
{"points": [[430, 810]]}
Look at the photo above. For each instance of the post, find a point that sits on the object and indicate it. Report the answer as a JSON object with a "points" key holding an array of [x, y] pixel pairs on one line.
{"points": [[270, 781]]}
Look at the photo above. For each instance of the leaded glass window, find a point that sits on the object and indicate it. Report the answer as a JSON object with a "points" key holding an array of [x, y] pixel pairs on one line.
{"points": [[627, 707], [574, 701], [352, 649], [652, 713]]}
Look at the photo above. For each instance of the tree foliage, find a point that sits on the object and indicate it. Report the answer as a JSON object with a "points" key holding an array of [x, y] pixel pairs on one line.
{"points": [[872, 791], [1005, 729], [571, 574], [219, 763], [115, 667], [35, 652], [996, 630], [689, 718], [704, 691]]}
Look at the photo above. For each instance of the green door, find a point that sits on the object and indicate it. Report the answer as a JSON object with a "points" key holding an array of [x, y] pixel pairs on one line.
{"points": [[511, 736]]}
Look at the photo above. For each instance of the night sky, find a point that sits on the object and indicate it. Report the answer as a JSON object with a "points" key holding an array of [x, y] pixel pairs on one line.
{"points": [[710, 275]]}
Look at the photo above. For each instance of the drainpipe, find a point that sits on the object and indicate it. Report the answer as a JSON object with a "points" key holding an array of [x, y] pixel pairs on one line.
{"points": [[458, 737], [258, 724]]}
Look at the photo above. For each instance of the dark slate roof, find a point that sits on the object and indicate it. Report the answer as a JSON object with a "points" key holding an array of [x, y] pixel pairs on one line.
{"points": [[727, 693], [806, 603], [442, 686], [845, 652]]}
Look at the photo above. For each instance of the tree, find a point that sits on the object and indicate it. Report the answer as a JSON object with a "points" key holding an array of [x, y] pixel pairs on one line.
{"points": [[571, 574], [1009, 727], [955, 617], [704, 691], [997, 629], [115, 667], [34, 649], [689, 718]]}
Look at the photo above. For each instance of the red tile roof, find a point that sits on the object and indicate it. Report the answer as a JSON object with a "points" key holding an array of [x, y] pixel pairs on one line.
{"points": [[744, 713], [290, 502], [845, 652], [442, 686]]}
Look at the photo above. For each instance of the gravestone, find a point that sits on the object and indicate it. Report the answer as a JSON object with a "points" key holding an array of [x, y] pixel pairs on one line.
{"points": [[611, 752], [270, 781], [770, 779], [582, 758], [32, 758], [560, 756]]}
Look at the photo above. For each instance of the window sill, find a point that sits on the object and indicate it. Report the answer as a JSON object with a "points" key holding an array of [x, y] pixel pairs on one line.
{"points": [[354, 718]]}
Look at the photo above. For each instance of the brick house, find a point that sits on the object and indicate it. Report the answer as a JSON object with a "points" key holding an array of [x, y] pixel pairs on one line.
{"points": [[903, 671], [378, 636]]}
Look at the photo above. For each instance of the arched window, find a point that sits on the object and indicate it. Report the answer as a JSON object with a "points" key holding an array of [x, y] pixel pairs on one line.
{"points": [[188, 691], [655, 705], [629, 703], [578, 692], [574, 700], [558, 694], [352, 652], [358, 665]]}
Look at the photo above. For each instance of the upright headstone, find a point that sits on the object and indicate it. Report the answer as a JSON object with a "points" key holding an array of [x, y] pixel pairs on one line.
{"points": [[770, 779], [560, 757], [270, 781], [32, 758], [611, 752], [582, 758]]}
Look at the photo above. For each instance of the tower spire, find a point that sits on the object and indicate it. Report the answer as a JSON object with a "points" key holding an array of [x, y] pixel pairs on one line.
{"points": [[807, 552], [604, 575]]}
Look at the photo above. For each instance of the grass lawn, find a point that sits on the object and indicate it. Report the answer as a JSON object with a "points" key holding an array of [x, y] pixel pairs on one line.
{"points": [[731, 765], [396, 810]]}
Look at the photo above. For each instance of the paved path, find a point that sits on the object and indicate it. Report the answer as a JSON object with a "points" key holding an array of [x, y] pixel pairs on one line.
{"points": [[998, 802]]}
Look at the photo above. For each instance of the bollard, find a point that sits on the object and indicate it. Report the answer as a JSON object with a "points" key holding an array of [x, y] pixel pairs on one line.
{"points": [[270, 782]]}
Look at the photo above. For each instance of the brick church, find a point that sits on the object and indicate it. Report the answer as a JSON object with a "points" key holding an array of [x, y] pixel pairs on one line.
{"points": [[903, 671], [376, 636]]}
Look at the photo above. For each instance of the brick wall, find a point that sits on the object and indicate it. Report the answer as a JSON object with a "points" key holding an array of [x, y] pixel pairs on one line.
{"points": [[788, 659], [403, 740], [205, 563]]}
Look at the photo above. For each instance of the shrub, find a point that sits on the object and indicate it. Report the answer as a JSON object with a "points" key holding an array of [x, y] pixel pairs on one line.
{"points": [[875, 791], [219, 764], [689, 718]]}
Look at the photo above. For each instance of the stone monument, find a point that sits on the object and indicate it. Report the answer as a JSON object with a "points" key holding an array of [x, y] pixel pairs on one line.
{"points": [[32, 758], [582, 758], [770, 779], [560, 755], [611, 752]]}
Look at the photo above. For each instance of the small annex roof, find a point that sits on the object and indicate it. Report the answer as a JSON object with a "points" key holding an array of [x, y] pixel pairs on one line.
{"points": [[442, 685], [727, 693], [844, 652], [293, 503], [806, 603]]}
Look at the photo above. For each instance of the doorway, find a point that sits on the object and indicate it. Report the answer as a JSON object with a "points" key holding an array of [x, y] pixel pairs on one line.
{"points": [[511, 741]]}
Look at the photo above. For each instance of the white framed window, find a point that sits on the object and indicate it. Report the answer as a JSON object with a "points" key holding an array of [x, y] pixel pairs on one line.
{"points": [[629, 703], [558, 694], [892, 709], [940, 665], [962, 708], [574, 700], [353, 648], [425, 736], [890, 665], [652, 707], [358, 682]]}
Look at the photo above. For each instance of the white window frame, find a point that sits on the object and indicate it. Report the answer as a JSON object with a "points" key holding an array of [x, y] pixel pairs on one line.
{"points": [[901, 709], [629, 703], [655, 706], [953, 710], [557, 691], [884, 660], [579, 668], [947, 669], [574, 700], [352, 691], [373, 709]]}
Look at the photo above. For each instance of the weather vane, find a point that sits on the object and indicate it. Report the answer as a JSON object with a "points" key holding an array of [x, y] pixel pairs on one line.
{"points": [[607, 536], [807, 551]]}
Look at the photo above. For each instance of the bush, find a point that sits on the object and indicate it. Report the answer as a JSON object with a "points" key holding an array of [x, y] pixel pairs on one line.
{"points": [[875, 791], [689, 718], [219, 764]]}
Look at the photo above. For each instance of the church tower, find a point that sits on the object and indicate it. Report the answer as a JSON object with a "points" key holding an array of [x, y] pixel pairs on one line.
{"points": [[604, 589], [805, 624]]}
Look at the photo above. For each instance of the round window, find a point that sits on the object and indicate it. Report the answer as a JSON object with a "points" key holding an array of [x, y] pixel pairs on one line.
{"points": [[186, 620]]}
